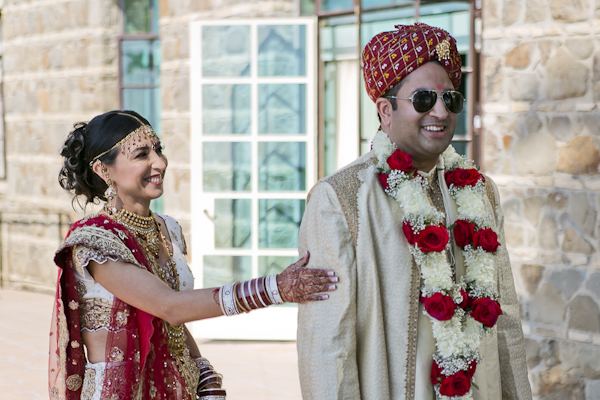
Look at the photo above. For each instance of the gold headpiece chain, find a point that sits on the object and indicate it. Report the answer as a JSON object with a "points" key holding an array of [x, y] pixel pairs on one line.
{"points": [[120, 142]]}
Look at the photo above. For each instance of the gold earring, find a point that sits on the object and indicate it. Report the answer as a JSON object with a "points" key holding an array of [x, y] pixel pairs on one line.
{"points": [[110, 193]]}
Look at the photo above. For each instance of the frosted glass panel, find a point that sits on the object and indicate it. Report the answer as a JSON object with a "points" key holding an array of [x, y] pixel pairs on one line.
{"points": [[226, 50]]}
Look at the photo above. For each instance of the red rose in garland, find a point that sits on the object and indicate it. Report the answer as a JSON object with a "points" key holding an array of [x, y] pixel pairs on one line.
{"points": [[487, 239], [383, 180], [463, 232], [408, 232], [455, 385], [465, 299], [439, 306], [400, 160], [462, 177], [486, 311], [436, 373], [432, 238], [471, 368]]}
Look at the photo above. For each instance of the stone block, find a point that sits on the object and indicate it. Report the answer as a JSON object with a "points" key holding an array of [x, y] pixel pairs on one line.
{"points": [[565, 78], [593, 284], [580, 48], [533, 208], [524, 87], [532, 349], [567, 282], [547, 233], [536, 10], [532, 275], [519, 56], [494, 79], [535, 155], [560, 127], [574, 243], [569, 10], [547, 306], [556, 384], [592, 390], [532, 124], [550, 353], [591, 122], [584, 314], [581, 213], [511, 11], [579, 156], [580, 359]]}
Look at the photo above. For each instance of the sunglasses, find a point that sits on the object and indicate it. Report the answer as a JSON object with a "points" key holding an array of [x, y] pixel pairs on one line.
{"points": [[424, 100]]}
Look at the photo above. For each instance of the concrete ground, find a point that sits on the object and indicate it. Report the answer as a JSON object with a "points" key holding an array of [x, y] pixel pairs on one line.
{"points": [[251, 370]]}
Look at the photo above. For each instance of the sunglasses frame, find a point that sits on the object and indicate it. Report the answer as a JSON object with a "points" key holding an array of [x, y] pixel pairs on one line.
{"points": [[439, 94]]}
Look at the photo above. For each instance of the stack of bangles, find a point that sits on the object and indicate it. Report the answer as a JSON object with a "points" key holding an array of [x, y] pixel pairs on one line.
{"points": [[209, 383], [239, 297]]}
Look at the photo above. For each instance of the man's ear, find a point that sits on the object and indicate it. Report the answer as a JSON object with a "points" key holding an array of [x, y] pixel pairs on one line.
{"points": [[384, 108], [96, 167]]}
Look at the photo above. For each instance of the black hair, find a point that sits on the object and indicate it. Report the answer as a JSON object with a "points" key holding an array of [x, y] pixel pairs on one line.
{"points": [[392, 92], [85, 142]]}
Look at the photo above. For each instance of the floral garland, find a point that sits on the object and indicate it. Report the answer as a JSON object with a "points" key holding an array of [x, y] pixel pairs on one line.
{"points": [[461, 313]]}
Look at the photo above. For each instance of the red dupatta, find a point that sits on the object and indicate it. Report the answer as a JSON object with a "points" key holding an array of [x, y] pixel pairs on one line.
{"points": [[138, 360]]}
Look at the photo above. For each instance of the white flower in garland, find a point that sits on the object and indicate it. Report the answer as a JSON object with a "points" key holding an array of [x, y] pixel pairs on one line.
{"points": [[461, 313]]}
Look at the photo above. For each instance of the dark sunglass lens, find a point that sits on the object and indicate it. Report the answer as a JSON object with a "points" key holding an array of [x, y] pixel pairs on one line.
{"points": [[454, 101], [424, 100]]}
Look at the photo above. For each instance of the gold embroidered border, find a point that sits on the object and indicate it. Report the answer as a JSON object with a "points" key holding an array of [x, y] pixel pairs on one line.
{"points": [[413, 316], [345, 183]]}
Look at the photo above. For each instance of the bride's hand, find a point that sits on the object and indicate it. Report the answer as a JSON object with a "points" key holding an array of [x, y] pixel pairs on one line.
{"points": [[298, 284]]}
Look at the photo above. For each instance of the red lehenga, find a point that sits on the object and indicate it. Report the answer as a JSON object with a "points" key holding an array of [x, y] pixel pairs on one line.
{"points": [[138, 361]]}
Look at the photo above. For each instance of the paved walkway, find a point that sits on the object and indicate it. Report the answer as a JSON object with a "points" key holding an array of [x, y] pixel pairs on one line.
{"points": [[251, 370]]}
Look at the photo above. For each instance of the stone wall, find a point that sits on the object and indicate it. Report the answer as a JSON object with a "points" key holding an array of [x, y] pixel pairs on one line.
{"points": [[541, 95], [59, 67]]}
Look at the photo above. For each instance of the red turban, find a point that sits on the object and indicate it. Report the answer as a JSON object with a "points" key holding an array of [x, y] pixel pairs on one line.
{"points": [[390, 56]]}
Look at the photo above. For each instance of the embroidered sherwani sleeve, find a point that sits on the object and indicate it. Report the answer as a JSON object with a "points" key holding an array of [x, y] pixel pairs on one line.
{"points": [[327, 329], [511, 346]]}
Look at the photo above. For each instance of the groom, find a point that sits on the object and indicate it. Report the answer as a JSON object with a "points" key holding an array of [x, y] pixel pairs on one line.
{"points": [[426, 306]]}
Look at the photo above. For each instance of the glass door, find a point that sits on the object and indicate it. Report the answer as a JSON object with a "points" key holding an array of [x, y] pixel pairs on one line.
{"points": [[253, 144]]}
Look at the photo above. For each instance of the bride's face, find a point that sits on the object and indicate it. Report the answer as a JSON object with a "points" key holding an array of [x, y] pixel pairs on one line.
{"points": [[138, 172]]}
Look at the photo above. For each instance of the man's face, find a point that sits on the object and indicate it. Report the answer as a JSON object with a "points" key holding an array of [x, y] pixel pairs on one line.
{"points": [[424, 135]]}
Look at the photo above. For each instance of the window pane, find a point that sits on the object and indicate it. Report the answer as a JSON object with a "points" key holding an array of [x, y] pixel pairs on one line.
{"points": [[140, 16], [282, 109], [461, 147], [140, 62], [282, 50], [233, 223], [226, 109], [336, 5], [279, 223], [226, 166], [281, 166], [221, 270], [226, 50], [145, 102]]}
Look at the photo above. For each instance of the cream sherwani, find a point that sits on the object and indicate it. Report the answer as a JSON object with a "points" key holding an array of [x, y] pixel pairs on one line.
{"points": [[362, 343]]}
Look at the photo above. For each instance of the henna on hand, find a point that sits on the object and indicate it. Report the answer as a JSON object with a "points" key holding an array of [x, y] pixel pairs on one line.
{"points": [[298, 284]]}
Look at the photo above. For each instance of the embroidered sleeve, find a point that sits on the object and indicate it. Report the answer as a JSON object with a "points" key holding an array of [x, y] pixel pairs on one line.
{"points": [[182, 237], [82, 255], [99, 244], [511, 345]]}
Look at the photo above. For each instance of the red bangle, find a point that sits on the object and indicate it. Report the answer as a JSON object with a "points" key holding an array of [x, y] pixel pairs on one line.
{"points": [[248, 295], [261, 291]]}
